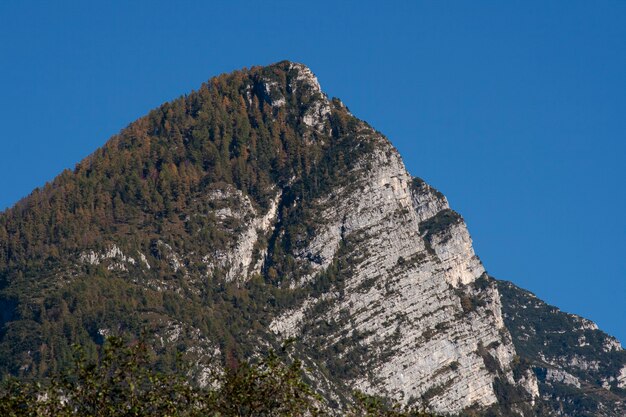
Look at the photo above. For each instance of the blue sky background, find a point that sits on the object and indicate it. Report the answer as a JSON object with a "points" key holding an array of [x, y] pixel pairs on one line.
{"points": [[515, 110]]}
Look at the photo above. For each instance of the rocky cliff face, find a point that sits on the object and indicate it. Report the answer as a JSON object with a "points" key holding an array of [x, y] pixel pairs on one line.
{"points": [[410, 314], [261, 211]]}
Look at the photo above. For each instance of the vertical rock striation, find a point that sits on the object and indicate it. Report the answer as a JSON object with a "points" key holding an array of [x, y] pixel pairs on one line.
{"points": [[411, 320]]}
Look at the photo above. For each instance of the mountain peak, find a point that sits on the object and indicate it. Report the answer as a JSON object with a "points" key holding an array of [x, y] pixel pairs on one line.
{"points": [[255, 210], [290, 84], [304, 74]]}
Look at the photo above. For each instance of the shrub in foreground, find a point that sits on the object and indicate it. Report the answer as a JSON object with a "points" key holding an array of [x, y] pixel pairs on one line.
{"points": [[122, 382]]}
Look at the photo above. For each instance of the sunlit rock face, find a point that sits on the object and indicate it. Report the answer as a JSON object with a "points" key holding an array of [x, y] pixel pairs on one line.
{"points": [[411, 312]]}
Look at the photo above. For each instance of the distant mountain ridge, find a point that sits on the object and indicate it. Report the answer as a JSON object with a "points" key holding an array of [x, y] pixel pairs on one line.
{"points": [[257, 210]]}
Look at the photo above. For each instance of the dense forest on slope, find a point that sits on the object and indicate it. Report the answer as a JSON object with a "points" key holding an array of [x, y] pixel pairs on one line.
{"points": [[151, 184]]}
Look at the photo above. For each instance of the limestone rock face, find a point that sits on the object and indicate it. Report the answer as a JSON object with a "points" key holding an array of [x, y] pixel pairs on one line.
{"points": [[411, 310]]}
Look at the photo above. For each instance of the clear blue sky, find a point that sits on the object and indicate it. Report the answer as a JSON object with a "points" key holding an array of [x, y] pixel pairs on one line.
{"points": [[515, 110]]}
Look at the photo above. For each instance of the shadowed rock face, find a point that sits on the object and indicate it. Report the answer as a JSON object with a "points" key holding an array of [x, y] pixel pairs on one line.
{"points": [[266, 211]]}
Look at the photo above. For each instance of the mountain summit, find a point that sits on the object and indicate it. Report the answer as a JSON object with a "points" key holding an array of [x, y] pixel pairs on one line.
{"points": [[256, 211]]}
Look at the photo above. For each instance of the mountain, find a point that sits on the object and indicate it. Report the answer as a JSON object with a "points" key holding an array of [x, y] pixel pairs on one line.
{"points": [[256, 211]]}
